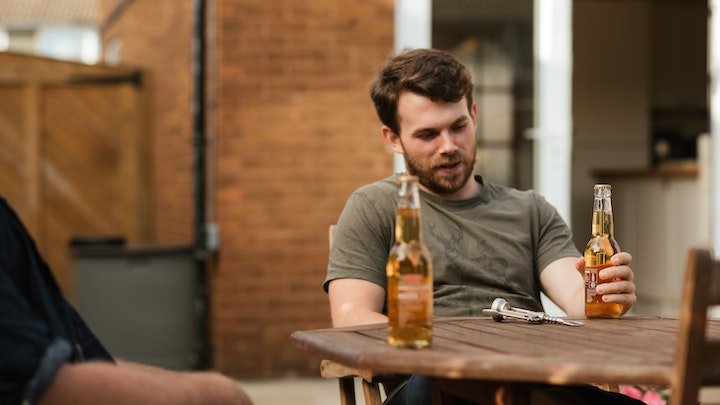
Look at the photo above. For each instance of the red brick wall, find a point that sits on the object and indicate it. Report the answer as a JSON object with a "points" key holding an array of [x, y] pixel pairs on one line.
{"points": [[294, 132], [156, 36]]}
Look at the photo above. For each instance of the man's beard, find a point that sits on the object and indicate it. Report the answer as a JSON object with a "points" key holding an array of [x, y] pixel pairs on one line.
{"points": [[430, 177]]}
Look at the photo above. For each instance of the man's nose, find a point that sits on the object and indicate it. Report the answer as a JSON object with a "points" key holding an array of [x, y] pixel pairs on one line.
{"points": [[447, 143]]}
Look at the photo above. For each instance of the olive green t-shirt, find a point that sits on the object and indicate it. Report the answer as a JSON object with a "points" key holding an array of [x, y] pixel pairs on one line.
{"points": [[489, 246]]}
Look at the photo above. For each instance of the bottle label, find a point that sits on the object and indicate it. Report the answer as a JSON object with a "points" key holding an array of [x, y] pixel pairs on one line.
{"points": [[592, 279], [591, 282], [414, 297]]}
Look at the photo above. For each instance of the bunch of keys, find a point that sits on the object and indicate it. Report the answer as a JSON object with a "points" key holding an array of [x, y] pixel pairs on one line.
{"points": [[501, 309]]}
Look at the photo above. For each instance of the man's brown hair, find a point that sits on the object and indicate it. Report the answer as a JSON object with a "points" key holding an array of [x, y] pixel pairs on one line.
{"points": [[431, 73]]}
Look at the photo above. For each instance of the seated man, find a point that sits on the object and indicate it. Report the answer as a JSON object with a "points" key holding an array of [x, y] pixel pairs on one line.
{"points": [[49, 355], [486, 240]]}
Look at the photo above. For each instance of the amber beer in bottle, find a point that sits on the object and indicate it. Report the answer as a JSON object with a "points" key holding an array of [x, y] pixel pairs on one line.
{"points": [[598, 251], [409, 274]]}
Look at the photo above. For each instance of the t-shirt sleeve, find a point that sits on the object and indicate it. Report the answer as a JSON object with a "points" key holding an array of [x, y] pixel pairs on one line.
{"points": [[554, 238], [362, 240], [29, 355]]}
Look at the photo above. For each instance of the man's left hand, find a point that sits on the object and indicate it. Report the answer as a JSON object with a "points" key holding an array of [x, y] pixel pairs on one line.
{"points": [[618, 286]]}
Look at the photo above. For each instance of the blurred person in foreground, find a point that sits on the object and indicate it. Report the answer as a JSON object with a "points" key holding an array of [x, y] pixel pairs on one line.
{"points": [[486, 240], [48, 354]]}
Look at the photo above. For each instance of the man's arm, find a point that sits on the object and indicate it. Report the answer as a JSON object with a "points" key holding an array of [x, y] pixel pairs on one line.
{"points": [[564, 285], [102, 383], [355, 302], [562, 282]]}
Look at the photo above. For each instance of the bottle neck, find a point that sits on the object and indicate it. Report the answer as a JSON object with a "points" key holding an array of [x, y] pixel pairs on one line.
{"points": [[407, 221], [602, 219], [407, 225]]}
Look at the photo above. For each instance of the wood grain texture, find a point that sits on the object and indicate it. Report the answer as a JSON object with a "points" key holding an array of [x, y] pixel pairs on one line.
{"points": [[73, 154], [628, 350], [697, 359]]}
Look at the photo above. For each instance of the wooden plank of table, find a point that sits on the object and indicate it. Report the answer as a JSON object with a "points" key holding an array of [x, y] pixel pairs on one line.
{"points": [[627, 350], [542, 340]]}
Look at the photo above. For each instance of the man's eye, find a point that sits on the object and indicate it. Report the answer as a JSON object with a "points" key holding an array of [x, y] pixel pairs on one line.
{"points": [[459, 127]]}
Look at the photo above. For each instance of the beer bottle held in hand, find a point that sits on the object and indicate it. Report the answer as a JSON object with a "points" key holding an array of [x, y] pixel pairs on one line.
{"points": [[409, 274], [598, 251]]}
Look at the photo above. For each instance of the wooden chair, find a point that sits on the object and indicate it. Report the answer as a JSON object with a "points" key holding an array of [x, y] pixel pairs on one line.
{"points": [[346, 378], [697, 358], [346, 375]]}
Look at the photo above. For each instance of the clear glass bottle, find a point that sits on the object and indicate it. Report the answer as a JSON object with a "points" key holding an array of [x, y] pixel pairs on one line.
{"points": [[598, 251], [409, 274]]}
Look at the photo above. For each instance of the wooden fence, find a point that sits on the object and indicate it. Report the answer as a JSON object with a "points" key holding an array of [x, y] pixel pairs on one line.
{"points": [[73, 153]]}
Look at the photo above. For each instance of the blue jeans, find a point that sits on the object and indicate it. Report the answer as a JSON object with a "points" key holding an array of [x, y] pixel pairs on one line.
{"points": [[415, 392]]}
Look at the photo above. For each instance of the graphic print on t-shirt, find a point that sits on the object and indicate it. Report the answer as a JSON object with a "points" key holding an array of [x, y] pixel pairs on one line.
{"points": [[461, 252]]}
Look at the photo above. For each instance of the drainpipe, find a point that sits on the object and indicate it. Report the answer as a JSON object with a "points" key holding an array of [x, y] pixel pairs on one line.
{"points": [[199, 174]]}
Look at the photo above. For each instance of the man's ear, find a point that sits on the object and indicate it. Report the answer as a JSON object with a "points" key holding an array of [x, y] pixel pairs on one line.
{"points": [[392, 139]]}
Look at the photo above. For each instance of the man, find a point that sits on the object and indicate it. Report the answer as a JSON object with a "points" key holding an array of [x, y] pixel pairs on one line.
{"points": [[48, 354], [486, 240]]}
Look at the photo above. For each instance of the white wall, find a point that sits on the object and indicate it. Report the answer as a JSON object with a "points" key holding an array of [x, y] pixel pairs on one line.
{"points": [[67, 42], [610, 97]]}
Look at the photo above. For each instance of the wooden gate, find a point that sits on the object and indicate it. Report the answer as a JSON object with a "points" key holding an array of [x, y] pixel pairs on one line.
{"points": [[73, 153]]}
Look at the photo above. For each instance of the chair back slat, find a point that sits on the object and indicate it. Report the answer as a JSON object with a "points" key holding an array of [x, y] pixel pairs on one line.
{"points": [[711, 363], [714, 294], [696, 357]]}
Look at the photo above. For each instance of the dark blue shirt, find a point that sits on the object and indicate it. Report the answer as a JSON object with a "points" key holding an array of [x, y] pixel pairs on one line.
{"points": [[39, 329]]}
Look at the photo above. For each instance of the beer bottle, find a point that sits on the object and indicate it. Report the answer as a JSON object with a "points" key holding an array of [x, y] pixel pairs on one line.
{"points": [[409, 274], [598, 251]]}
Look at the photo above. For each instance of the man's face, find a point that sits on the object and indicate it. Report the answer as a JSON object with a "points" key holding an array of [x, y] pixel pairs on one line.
{"points": [[438, 142]]}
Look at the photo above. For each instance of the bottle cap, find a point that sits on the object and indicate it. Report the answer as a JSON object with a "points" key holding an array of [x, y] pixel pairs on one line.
{"points": [[602, 191]]}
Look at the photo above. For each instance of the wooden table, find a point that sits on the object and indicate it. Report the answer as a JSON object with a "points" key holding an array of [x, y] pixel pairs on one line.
{"points": [[630, 350]]}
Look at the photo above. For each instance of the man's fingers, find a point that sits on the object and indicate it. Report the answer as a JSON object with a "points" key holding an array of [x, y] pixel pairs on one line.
{"points": [[628, 299], [621, 272], [621, 258], [616, 287]]}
